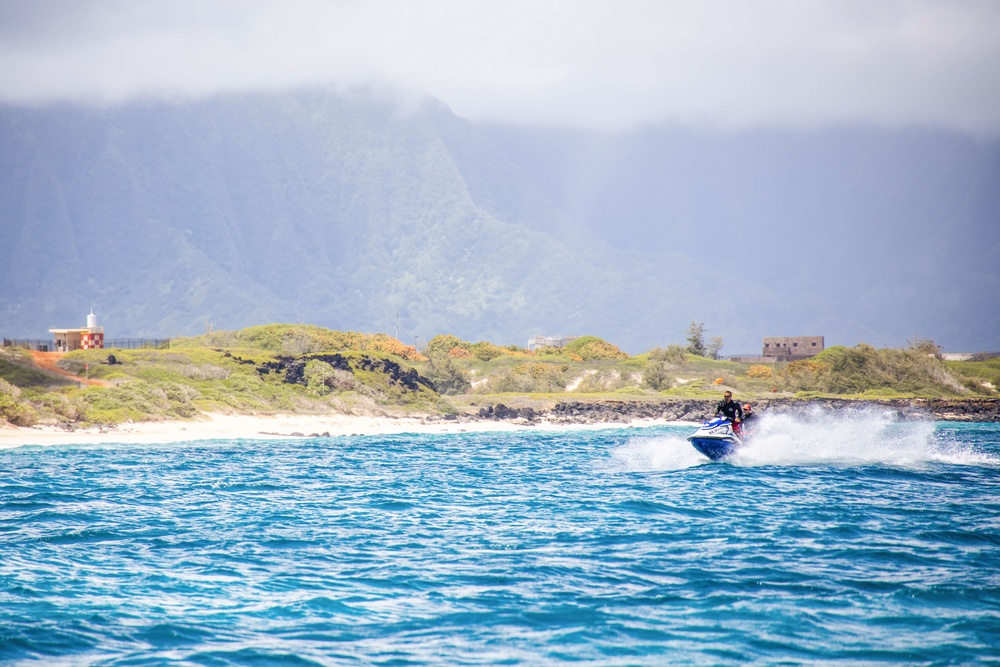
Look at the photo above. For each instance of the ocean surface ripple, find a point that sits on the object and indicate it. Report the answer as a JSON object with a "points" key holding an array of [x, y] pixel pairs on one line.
{"points": [[856, 540]]}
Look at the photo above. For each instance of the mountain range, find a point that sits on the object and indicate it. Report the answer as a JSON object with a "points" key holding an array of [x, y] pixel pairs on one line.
{"points": [[359, 211]]}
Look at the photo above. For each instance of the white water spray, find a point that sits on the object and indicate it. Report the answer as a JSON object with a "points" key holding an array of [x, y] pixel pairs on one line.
{"points": [[841, 437], [845, 437], [650, 454]]}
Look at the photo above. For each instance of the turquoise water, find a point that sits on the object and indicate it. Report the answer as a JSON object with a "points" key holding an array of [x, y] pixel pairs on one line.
{"points": [[850, 540]]}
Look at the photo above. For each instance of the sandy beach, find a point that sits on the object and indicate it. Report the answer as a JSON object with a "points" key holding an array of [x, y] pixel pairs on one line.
{"points": [[259, 427]]}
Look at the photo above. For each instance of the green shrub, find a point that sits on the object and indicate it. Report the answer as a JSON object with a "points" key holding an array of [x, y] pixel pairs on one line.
{"points": [[656, 373], [319, 377], [443, 344], [528, 378], [862, 368], [655, 376], [605, 379], [592, 348], [12, 408], [484, 351], [696, 388], [758, 372], [447, 377], [60, 405], [672, 354], [114, 405], [982, 377], [299, 339]]}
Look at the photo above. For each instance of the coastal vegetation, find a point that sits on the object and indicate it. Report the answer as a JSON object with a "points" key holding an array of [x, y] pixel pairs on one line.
{"points": [[309, 369]]}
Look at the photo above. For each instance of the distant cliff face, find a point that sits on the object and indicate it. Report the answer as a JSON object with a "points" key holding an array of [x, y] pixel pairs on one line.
{"points": [[858, 234], [343, 211], [354, 212]]}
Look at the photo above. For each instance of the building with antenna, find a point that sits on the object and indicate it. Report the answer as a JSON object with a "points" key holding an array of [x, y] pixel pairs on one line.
{"points": [[90, 337]]}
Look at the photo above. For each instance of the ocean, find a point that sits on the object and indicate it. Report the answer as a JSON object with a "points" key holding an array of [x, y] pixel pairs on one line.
{"points": [[833, 539]]}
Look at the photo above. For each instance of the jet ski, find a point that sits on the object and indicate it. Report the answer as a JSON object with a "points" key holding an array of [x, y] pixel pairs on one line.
{"points": [[716, 439]]}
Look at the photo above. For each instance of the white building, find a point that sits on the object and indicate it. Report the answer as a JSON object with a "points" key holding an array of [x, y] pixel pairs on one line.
{"points": [[90, 337], [539, 342]]}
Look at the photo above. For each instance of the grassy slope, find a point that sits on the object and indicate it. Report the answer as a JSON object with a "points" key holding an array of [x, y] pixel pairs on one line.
{"points": [[17, 368], [219, 372], [190, 378], [981, 377]]}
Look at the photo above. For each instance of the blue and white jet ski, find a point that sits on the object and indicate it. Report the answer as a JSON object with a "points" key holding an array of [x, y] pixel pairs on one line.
{"points": [[715, 439]]}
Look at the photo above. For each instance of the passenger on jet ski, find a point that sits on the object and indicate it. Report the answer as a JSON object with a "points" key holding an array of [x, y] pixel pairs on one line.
{"points": [[731, 410], [751, 421]]}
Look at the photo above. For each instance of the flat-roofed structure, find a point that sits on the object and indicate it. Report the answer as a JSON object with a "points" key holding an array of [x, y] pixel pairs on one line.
{"points": [[90, 337], [792, 348], [539, 342]]}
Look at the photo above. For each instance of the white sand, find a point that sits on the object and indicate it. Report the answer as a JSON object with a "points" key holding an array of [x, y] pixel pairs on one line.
{"points": [[218, 426]]}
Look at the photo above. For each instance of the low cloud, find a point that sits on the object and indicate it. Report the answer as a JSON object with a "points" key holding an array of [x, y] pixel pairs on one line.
{"points": [[597, 64]]}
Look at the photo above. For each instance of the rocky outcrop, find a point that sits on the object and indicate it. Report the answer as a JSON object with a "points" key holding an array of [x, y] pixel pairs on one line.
{"points": [[408, 378], [502, 412], [591, 412], [294, 369], [942, 409]]}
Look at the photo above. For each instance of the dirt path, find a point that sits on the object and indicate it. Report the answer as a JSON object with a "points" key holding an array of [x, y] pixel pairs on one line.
{"points": [[47, 361]]}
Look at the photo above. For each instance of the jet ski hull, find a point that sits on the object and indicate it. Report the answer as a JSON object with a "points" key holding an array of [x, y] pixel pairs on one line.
{"points": [[716, 448], [716, 439]]}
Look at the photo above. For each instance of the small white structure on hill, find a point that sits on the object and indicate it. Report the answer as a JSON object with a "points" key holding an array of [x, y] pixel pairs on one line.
{"points": [[539, 342], [90, 337]]}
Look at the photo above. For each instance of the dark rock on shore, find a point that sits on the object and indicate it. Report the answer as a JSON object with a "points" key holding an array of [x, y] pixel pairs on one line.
{"points": [[614, 411], [501, 411], [592, 412], [940, 409]]}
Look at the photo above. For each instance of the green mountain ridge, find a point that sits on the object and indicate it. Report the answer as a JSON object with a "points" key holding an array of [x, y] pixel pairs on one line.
{"points": [[313, 208], [354, 212]]}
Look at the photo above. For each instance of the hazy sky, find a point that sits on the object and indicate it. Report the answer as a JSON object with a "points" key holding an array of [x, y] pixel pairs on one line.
{"points": [[602, 64]]}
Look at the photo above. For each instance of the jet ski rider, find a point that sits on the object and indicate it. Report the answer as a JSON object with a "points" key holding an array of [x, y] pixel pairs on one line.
{"points": [[750, 420], [731, 410]]}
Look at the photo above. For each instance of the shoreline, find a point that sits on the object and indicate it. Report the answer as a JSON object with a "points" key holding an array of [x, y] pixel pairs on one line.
{"points": [[217, 426], [576, 415]]}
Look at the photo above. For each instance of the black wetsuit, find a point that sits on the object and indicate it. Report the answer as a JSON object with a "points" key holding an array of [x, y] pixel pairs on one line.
{"points": [[730, 410], [750, 422]]}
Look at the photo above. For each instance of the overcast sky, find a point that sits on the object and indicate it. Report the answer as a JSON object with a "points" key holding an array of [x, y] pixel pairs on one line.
{"points": [[732, 63]]}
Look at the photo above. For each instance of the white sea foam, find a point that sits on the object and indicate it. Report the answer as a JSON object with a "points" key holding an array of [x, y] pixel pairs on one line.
{"points": [[841, 437], [844, 437], [647, 454]]}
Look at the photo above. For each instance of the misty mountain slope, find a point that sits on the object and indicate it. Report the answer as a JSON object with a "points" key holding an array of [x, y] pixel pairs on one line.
{"points": [[345, 209], [339, 210], [865, 234]]}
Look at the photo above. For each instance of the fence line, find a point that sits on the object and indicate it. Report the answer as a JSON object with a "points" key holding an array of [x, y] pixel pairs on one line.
{"points": [[113, 344], [137, 344], [30, 344]]}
